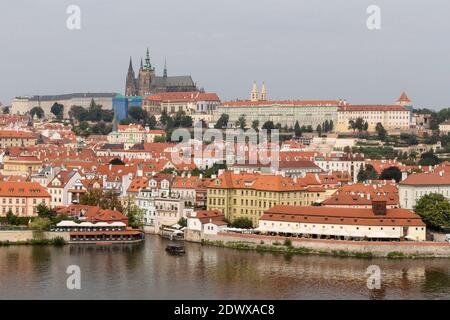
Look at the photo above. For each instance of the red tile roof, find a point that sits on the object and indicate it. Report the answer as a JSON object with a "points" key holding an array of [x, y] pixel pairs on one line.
{"points": [[403, 98], [16, 134], [439, 177], [344, 216], [22, 189]]}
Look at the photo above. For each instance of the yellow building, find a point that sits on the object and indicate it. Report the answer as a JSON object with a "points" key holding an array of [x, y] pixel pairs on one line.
{"points": [[22, 198], [23, 164], [249, 195], [14, 138]]}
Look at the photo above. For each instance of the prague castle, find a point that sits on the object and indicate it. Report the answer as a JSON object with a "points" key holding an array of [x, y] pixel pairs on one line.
{"points": [[148, 82]]}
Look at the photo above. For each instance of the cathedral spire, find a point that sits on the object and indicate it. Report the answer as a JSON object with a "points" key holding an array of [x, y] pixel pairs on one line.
{"points": [[148, 64], [130, 67], [165, 68], [142, 65]]}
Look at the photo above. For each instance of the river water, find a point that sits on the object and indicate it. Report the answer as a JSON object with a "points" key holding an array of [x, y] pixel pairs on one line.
{"points": [[146, 271]]}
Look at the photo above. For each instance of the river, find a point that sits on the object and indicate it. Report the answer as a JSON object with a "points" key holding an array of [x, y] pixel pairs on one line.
{"points": [[146, 271]]}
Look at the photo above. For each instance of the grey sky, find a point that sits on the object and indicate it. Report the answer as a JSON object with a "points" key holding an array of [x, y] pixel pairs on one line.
{"points": [[301, 49]]}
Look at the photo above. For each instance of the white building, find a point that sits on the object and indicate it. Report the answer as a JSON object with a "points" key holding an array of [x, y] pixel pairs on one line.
{"points": [[377, 223], [340, 162], [392, 117], [22, 105], [134, 133], [416, 185], [59, 187], [444, 127], [286, 112]]}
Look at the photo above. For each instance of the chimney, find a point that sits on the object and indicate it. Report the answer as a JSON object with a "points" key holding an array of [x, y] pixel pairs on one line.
{"points": [[379, 207]]}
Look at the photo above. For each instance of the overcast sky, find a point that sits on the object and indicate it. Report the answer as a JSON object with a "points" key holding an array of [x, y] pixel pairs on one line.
{"points": [[301, 49]]}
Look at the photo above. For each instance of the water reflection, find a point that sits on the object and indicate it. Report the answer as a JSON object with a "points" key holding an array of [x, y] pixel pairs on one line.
{"points": [[146, 271]]}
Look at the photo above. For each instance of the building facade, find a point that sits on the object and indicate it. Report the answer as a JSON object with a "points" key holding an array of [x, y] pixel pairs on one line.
{"points": [[444, 127], [248, 195], [392, 117], [377, 223], [16, 138], [191, 103], [416, 185], [22, 198], [22, 105]]}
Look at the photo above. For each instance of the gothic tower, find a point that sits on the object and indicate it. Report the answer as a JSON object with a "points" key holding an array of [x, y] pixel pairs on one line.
{"points": [[263, 93], [165, 69], [146, 76], [130, 86], [254, 96]]}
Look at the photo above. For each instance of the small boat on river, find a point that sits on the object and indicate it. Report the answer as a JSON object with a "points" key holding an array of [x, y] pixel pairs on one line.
{"points": [[175, 249]]}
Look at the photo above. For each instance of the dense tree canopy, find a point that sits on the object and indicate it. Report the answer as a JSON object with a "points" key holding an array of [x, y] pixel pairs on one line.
{"points": [[391, 173], [222, 122], [429, 159], [242, 223], [434, 209], [38, 112], [58, 110]]}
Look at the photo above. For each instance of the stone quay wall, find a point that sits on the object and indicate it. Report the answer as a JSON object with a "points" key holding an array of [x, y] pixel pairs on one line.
{"points": [[24, 235], [376, 249]]}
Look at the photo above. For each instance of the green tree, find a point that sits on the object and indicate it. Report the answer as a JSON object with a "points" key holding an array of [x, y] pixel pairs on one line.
{"points": [[151, 122], [297, 129], [326, 126], [319, 130], [269, 126], [78, 112], [367, 173], [222, 122], [255, 124], [94, 113], [434, 209], [38, 112], [362, 175], [365, 126], [381, 132], [105, 200], [429, 159], [136, 113], [135, 216], [58, 110], [182, 120], [101, 128], [40, 224], [45, 212], [107, 115], [11, 219], [182, 222], [242, 223], [241, 123], [391, 173], [5, 110]]}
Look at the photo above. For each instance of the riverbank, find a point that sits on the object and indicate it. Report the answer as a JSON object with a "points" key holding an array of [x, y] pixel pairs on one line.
{"points": [[336, 248], [29, 237]]}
